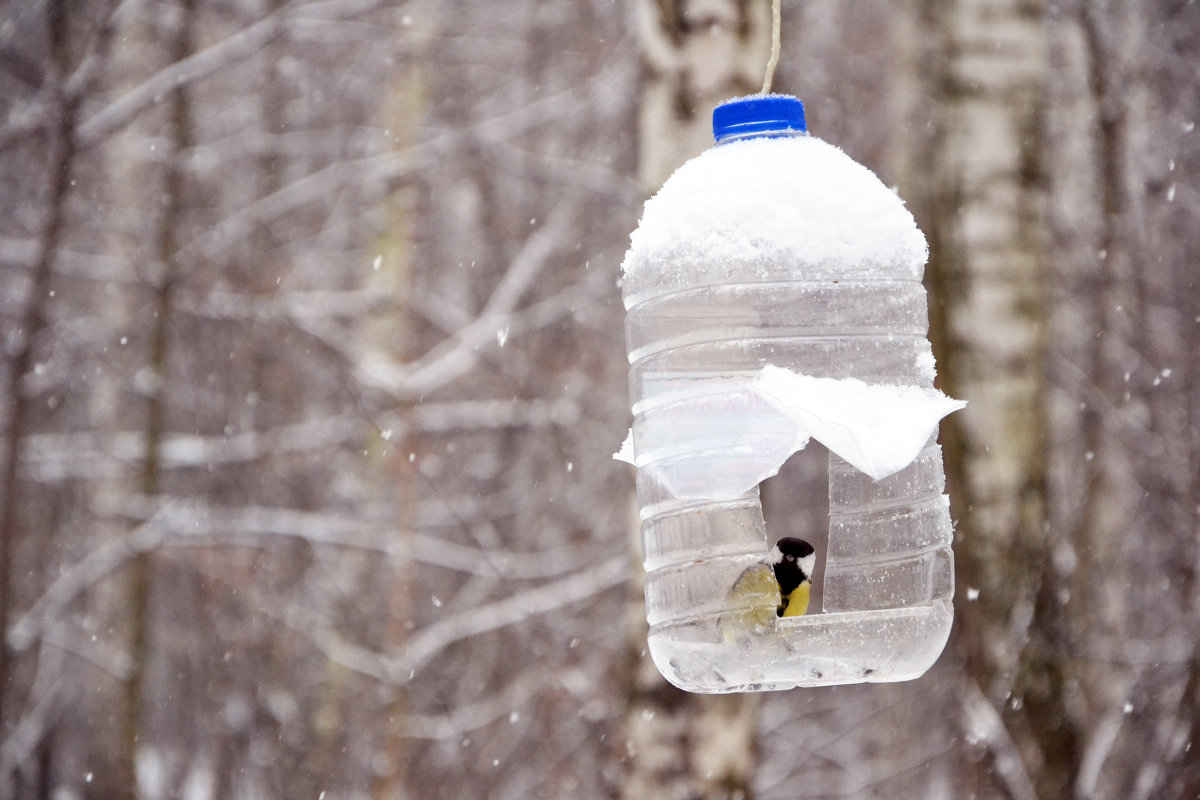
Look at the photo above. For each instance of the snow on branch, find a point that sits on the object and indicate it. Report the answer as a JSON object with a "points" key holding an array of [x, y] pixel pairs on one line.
{"points": [[472, 716], [983, 723], [209, 61], [428, 642], [53, 456], [323, 182], [90, 266], [95, 566], [423, 647], [45, 699], [493, 414], [455, 356], [182, 523], [383, 169], [50, 457]]}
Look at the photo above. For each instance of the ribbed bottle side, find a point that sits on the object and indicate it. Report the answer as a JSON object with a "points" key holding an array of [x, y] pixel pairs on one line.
{"points": [[889, 540], [693, 341]]}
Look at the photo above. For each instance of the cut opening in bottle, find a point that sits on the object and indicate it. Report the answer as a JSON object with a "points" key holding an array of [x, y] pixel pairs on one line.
{"points": [[795, 502]]}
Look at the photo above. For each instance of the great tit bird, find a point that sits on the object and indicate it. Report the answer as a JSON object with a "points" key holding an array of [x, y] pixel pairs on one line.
{"points": [[794, 561], [762, 593]]}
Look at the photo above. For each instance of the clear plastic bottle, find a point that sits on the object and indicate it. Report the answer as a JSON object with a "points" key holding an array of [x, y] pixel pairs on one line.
{"points": [[775, 248]]}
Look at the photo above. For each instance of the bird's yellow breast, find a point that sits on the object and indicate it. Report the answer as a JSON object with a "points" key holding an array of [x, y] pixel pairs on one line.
{"points": [[797, 601]]}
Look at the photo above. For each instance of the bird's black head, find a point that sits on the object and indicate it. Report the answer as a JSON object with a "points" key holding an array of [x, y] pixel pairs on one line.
{"points": [[794, 560]]}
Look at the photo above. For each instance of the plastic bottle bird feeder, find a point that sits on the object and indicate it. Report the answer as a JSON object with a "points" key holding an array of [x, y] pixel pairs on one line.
{"points": [[773, 290]]}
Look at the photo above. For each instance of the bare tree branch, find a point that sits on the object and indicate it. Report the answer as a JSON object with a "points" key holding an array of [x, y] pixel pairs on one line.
{"points": [[463, 719], [212, 59], [45, 700], [1097, 748], [181, 523], [983, 723], [98, 564], [425, 644]]}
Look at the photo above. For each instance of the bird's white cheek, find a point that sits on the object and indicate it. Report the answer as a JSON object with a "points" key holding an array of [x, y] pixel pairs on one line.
{"points": [[808, 564]]}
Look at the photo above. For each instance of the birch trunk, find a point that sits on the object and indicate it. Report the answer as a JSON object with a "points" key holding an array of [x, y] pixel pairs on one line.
{"points": [[697, 53], [989, 319], [179, 127], [60, 162]]}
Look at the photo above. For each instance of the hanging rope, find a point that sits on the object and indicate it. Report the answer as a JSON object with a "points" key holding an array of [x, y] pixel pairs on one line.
{"points": [[775, 24]]}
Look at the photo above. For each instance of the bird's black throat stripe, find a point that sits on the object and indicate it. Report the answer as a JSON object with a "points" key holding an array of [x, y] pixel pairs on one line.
{"points": [[789, 575]]}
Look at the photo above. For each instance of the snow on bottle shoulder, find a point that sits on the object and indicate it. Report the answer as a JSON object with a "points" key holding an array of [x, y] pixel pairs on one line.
{"points": [[773, 290], [785, 208]]}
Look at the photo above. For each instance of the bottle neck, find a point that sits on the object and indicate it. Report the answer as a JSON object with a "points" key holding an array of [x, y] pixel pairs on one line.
{"points": [[787, 133]]}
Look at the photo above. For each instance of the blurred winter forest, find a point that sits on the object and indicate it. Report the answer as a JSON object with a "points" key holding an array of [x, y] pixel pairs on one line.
{"points": [[313, 366]]}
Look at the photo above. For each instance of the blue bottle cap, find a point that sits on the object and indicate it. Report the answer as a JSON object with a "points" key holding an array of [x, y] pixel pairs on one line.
{"points": [[758, 114]]}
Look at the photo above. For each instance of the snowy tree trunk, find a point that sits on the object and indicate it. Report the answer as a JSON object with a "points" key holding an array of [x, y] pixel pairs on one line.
{"points": [[393, 325], [1127, 341], [697, 53], [60, 162], [166, 276], [987, 277]]}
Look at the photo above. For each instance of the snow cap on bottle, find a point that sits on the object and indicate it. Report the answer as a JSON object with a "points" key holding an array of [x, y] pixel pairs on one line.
{"points": [[758, 114]]}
